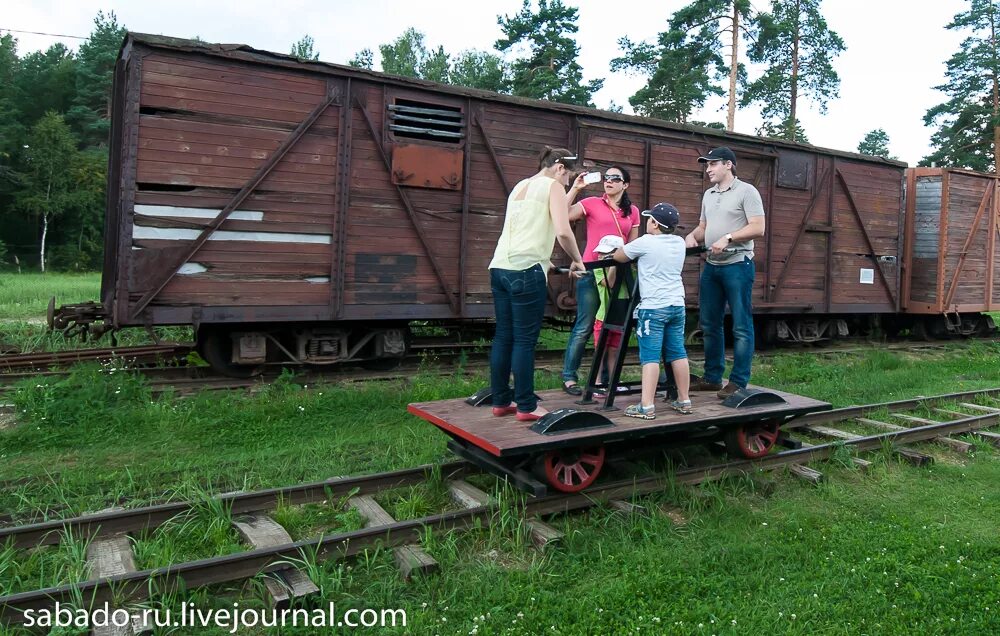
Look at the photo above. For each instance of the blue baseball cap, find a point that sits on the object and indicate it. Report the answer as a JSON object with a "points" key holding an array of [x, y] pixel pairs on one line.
{"points": [[664, 214]]}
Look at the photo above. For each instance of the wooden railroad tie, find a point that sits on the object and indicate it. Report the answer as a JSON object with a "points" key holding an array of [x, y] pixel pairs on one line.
{"points": [[987, 436], [410, 559], [804, 472], [261, 531], [861, 464], [956, 445], [627, 507], [468, 496], [908, 454], [111, 556], [979, 407], [951, 413]]}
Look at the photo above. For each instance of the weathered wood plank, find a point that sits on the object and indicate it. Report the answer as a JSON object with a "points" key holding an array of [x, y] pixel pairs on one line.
{"points": [[956, 445], [261, 531], [806, 473], [627, 507], [466, 495], [410, 559], [827, 431], [979, 407], [112, 556]]}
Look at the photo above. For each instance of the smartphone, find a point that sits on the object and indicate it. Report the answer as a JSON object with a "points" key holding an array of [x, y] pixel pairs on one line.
{"points": [[592, 177]]}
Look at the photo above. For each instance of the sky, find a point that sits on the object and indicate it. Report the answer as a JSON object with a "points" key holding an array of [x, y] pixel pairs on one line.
{"points": [[895, 54]]}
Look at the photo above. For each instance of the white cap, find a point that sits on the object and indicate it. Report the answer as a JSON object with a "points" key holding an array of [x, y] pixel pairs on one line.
{"points": [[609, 243]]}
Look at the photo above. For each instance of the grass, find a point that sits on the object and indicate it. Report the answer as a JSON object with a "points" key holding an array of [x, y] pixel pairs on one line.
{"points": [[26, 296], [895, 550], [24, 301]]}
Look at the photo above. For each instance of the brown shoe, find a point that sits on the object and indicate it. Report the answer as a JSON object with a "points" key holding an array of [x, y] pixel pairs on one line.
{"points": [[728, 390], [701, 385]]}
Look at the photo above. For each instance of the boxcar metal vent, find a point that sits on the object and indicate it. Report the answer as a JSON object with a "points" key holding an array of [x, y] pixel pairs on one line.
{"points": [[430, 122]]}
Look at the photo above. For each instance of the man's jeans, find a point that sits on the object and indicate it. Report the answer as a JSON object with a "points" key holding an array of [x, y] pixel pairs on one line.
{"points": [[732, 284], [519, 301], [587, 303]]}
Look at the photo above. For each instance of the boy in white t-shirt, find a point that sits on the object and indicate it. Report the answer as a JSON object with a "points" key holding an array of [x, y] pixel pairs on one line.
{"points": [[660, 315]]}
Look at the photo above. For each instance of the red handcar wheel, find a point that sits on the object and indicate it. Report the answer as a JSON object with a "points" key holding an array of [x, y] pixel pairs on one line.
{"points": [[572, 469], [752, 440]]}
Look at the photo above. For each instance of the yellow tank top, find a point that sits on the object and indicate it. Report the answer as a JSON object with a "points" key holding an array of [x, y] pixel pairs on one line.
{"points": [[528, 233]]}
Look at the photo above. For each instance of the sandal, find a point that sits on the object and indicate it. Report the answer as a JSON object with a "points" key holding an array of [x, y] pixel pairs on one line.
{"points": [[572, 389], [641, 412], [682, 407]]}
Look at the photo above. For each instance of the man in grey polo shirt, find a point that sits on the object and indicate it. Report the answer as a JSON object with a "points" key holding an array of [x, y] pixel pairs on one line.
{"points": [[732, 216]]}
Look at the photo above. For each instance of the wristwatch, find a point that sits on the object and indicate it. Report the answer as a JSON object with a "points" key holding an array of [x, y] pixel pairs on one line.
{"points": [[729, 238]]}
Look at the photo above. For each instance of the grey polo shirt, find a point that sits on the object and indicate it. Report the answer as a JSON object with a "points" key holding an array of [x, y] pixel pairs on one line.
{"points": [[729, 210]]}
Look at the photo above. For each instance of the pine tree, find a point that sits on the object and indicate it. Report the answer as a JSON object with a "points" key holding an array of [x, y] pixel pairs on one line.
{"points": [[11, 128], [365, 58], [968, 124], [303, 49], [48, 182], [876, 144], [678, 70], [798, 47], [46, 82], [550, 69], [435, 66], [90, 115], [477, 69], [405, 55], [719, 24]]}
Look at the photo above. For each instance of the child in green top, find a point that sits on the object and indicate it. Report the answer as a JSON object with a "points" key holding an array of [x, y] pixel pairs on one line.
{"points": [[605, 279]]}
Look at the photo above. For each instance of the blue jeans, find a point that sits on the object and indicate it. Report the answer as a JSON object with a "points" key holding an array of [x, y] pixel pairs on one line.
{"points": [[661, 334], [732, 285], [519, 301], [587, 303]]}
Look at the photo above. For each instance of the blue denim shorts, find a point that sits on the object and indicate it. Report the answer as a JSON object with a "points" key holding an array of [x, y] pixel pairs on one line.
{"points": [[660, 331]]}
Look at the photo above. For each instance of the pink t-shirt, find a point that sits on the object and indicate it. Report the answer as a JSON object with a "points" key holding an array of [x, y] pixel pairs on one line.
{"points": [[601, 222]]}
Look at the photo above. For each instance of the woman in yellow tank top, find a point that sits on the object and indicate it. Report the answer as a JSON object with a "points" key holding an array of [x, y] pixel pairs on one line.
{"points": [[537, 216]]}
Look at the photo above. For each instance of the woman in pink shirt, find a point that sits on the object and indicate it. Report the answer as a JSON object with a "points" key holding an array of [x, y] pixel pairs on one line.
{"points": [[611, 214]]}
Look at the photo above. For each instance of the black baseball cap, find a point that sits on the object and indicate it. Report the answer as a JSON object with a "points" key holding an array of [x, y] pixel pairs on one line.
{"points": [[664, 214], [719, 154]]}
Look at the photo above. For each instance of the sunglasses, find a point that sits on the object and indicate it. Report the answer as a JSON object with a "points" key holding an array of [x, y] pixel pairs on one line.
{"points": [[613, 178]]}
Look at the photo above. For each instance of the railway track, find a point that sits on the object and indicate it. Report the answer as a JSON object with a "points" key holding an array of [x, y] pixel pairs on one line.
{"points": [[186, 380], [478, 510], [144, 354]]}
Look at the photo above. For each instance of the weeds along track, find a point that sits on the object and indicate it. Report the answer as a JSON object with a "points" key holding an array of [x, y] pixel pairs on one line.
{"points": [[469, 359], [276, 557]]}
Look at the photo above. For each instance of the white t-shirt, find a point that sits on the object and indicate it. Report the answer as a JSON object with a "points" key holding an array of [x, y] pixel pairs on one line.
{"points": [[661, 259]]}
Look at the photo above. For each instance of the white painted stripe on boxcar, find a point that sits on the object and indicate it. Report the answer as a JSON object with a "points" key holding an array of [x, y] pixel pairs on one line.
{"points": [[183, 234], [192, 268], [196, 213], [318, 279]]}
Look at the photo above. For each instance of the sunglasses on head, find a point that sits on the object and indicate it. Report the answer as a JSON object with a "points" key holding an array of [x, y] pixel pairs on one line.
{"points": [[614, 178]]}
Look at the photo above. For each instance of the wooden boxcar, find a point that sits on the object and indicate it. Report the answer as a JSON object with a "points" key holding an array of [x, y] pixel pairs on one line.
{"points": [[296, 210], [950, 250]]}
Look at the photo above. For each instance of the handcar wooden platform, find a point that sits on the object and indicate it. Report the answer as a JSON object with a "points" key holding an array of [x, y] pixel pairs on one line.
{"points": [[567, 448]]}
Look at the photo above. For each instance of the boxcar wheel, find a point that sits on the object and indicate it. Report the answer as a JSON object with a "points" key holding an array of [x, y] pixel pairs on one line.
{"points": [[571, 469], [216, 347], [752, 440]]}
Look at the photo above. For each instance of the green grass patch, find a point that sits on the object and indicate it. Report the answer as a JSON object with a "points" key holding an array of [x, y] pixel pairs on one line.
{"points": [[896, 549], [26, 296]]}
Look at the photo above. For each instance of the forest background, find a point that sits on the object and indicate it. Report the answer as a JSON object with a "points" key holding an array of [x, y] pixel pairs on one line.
{"points": [[54, 104]]}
